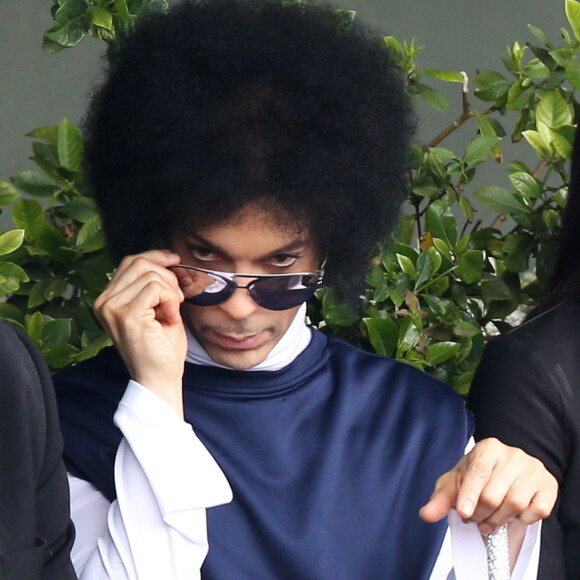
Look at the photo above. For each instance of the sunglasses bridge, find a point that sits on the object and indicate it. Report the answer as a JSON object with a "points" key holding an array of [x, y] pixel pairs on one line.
{"points": [[293, 288]]}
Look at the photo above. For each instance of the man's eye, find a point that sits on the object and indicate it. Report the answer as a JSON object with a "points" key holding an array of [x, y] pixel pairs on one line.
{"points": [[284, 260], [202, 254]]}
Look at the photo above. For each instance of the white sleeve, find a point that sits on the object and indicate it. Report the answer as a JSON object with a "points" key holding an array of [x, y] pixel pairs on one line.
{"points": [[165, 479], [463, 555]]}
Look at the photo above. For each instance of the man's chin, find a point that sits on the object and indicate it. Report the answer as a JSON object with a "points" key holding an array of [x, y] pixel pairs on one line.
{"points": [[239, 360]]}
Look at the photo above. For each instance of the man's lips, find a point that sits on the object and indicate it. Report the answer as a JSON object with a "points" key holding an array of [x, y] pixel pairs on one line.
{"points": [[237, 342]]}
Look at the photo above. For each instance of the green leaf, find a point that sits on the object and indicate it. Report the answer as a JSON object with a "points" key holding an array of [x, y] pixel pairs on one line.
{"points": [[425, 268], [91, 237], [562, 146], [12, 276], [442, 153], [49, 134], [69, 25], [443, 75], [432, 97], [101, 17], [36, 296], [466, 207], [500, 200], [484, 125], [495, 289], [28, 215], [466, 328], [56, 332], [441, 223], [526, 184], [46, 157], [442, 351], [94, 346], [8, 193], [425, 186], [35, 326], [34, 183], [80, 208], [70, 145], [553, 110], [480, 149], [573, 73], [122, 9], [11, 241], [491, 86], [540, 35], [406, 266], [573, 16], [383, 334], [55, 288], [442, 247], [518, 247], [537, 142], [521, 95], [409, 336], [336, 313], [404, 230], [470, 266], [12, 314], [60, 356]]}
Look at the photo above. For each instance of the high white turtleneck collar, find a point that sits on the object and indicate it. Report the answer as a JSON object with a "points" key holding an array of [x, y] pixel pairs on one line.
{"points": [[292, 343]]}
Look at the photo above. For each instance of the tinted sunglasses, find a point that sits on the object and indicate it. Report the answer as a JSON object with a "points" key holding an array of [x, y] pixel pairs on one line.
{"points": [[272, 291]]}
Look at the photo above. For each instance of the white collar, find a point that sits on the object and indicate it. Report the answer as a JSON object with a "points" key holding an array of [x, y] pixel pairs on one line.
{"points": [[291, 344]]}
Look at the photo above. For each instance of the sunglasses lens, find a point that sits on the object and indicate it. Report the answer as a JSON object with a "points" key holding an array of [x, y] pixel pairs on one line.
{"points": [[203, 288], [283, 292]]}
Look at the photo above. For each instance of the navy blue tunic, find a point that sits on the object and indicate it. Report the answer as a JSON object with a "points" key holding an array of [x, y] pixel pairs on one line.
{"points": [[329, 459]]}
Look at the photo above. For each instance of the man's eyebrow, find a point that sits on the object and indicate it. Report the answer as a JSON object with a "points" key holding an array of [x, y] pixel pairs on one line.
{"points": [[294, 246]]}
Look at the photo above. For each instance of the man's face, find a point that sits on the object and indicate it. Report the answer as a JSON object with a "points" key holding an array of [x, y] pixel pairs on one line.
{"points": [[239, 333]]}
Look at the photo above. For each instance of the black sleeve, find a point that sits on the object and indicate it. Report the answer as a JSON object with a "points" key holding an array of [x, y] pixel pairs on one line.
{"points": [[36, 532], [516, 396]]}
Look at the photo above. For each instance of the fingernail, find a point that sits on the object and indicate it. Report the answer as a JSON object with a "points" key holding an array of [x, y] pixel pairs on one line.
{"points": [[486, 529], [466, 508]]}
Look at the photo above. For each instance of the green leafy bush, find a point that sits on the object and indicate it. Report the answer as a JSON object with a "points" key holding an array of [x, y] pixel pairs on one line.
{"points": [[447, 281], [436, 291]]}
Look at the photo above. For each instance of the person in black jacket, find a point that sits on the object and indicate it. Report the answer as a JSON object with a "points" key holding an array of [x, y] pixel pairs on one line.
{"points": [[526, 392], [36, 533]]}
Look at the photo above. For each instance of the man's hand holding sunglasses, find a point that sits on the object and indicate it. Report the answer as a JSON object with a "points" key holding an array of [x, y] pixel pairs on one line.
{"points": [[140, 309]]}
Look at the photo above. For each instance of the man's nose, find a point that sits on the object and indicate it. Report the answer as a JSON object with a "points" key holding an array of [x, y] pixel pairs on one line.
{"points": [[239, 305]]}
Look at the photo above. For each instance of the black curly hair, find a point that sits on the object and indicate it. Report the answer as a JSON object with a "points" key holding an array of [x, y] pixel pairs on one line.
{"points": [[216, 104]]}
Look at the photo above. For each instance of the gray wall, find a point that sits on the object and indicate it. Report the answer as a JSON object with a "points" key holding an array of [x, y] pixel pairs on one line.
{"points": [[37, 89]]}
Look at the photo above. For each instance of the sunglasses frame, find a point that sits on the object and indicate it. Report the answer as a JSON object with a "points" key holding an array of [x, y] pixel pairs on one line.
{"points": [[230, 279]]}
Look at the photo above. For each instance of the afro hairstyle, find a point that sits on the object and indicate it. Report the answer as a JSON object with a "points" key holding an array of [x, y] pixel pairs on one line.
{"points": [[217, 104]]}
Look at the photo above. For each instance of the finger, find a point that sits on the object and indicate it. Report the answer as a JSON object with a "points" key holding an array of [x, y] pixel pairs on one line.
{"points": [[129, 283], [133, 267], [478, 469], [543, 501], [505, 505], [145, 300], [145, 317], [442, 499], [163, 258]]}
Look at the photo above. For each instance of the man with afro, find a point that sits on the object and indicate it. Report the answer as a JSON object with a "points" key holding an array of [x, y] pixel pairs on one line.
{"points": [[241, 153]]}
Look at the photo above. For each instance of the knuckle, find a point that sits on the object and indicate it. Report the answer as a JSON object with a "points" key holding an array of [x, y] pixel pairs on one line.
{"points": [[541, 509], [516, 502], [489, 499], [480, 468]]}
